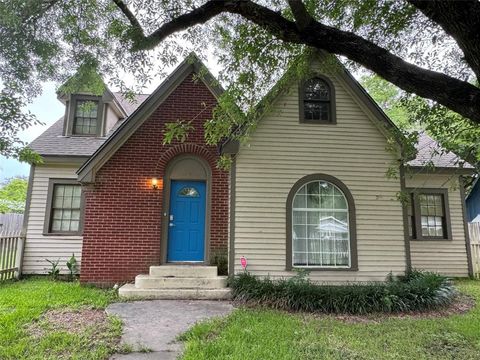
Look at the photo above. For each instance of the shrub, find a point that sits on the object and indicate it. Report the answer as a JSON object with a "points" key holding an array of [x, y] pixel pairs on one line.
{"points": [[72, 266], [220, 260], [416, 291], [54, 269]]}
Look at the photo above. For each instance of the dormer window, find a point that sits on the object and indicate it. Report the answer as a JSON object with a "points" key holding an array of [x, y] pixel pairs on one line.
{"points": [[85, 115], [317, 101], [85, 120]]}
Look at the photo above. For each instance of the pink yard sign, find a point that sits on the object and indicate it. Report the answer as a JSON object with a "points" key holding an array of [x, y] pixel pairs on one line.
{"points": [[243, 261]]}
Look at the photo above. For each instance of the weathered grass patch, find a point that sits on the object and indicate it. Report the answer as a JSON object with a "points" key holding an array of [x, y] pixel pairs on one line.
{"points": [[42, 319]]}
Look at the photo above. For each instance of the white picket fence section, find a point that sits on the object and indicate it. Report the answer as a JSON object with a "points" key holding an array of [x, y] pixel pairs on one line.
{"points": [[11, 248], [11, 224], [474, 230], [11, 245]]}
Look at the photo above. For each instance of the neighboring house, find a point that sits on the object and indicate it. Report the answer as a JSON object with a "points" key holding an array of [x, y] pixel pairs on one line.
{"points": [[308, 190], [473, 202]]}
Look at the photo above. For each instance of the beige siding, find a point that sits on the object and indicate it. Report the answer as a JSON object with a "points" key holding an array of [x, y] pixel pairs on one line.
{"points": [[111, 118], [446, 257], [39, 247], [281, 151]]}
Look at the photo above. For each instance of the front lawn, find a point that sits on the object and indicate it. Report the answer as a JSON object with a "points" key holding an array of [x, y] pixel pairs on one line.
{"points": [[42, 319], [269, 334]]}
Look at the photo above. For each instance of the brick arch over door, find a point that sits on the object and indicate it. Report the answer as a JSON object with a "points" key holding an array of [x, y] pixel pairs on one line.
{"points": [[185, 148]]}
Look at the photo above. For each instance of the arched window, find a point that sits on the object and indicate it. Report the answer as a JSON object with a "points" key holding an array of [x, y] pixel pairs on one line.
{"points": [[188, 192], [321, 224], [317, 101]]}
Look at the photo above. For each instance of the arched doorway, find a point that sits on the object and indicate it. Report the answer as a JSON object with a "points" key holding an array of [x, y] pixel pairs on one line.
{"points": [[186, 214]]}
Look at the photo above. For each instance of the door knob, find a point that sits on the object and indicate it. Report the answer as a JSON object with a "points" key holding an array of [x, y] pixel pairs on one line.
{"points": [[171, 224]]}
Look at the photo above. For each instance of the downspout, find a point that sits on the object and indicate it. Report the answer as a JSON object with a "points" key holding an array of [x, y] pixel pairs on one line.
{"points": [[403, 188], [231, 254]]}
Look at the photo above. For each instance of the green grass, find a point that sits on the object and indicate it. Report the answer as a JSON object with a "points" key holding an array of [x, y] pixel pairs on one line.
{"points": [[270, 334], [23, 302], [7, 259]]}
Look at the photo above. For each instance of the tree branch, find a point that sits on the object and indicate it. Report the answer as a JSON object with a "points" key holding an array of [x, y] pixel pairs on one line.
{"points": [[300, 13], [199, 15], [457, 95], [460, 96], [459, 19], [129, 15]]}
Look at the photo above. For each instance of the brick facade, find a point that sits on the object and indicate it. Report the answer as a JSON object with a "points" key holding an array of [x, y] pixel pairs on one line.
{"points": [[123, 222]]}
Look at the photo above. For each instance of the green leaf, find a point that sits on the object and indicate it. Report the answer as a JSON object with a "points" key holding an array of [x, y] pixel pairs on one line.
{"points": [[13, 194]]}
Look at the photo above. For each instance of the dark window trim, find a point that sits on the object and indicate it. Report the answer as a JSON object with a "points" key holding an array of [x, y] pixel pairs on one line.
{"points": [[351, 218], [48, 211], [406, 235], [301, 99], [415, 192], [71, 115]]}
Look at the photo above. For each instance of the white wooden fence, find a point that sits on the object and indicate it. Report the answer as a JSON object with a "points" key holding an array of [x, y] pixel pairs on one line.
{"points": [[11, 224], [11, 245], [474, 230], [11, 248]]}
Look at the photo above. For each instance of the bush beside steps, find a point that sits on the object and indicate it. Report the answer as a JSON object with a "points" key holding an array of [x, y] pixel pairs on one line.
{"points": [[416, 291]]}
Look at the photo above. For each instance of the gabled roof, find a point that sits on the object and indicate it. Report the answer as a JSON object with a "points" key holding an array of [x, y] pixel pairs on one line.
{"points": [[130, 105], [192, 63], [383, 123], [430, 152], [52, 142]]}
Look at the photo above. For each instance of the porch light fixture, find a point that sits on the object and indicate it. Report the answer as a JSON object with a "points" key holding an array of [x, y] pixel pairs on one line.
{"points": [[154, 183]]}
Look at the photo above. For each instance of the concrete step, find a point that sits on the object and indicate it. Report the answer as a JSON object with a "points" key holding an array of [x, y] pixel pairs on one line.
{"points": [[161, 282], [130, 291], [190, 271]]}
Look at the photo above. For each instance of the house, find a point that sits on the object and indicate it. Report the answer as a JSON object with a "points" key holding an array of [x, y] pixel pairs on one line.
{"points": [[307, 190], [473, 202]]}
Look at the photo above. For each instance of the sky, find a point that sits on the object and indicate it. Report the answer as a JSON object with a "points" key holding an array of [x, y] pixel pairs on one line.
{"points": [[47, 109]]}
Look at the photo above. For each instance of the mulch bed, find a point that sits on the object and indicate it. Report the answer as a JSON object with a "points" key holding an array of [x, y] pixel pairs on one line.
{"points": [[462, 304]]}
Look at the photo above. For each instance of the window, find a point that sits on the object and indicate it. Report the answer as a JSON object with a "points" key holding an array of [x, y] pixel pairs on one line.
{"points": [[85, 115], [316, 101], [85, 119], [188, 192], [64, 207], [321, 227], [428, 214]]}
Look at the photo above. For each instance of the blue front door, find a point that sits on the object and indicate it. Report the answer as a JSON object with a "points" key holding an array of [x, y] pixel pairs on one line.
{"points": [[186, 226]]}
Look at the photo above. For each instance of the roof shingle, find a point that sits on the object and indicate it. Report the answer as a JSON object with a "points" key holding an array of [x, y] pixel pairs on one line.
{"points": [[430, 152], [52, 142]]}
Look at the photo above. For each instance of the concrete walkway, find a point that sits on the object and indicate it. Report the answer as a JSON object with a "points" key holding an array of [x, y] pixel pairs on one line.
{"points": [[154, 325]]}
